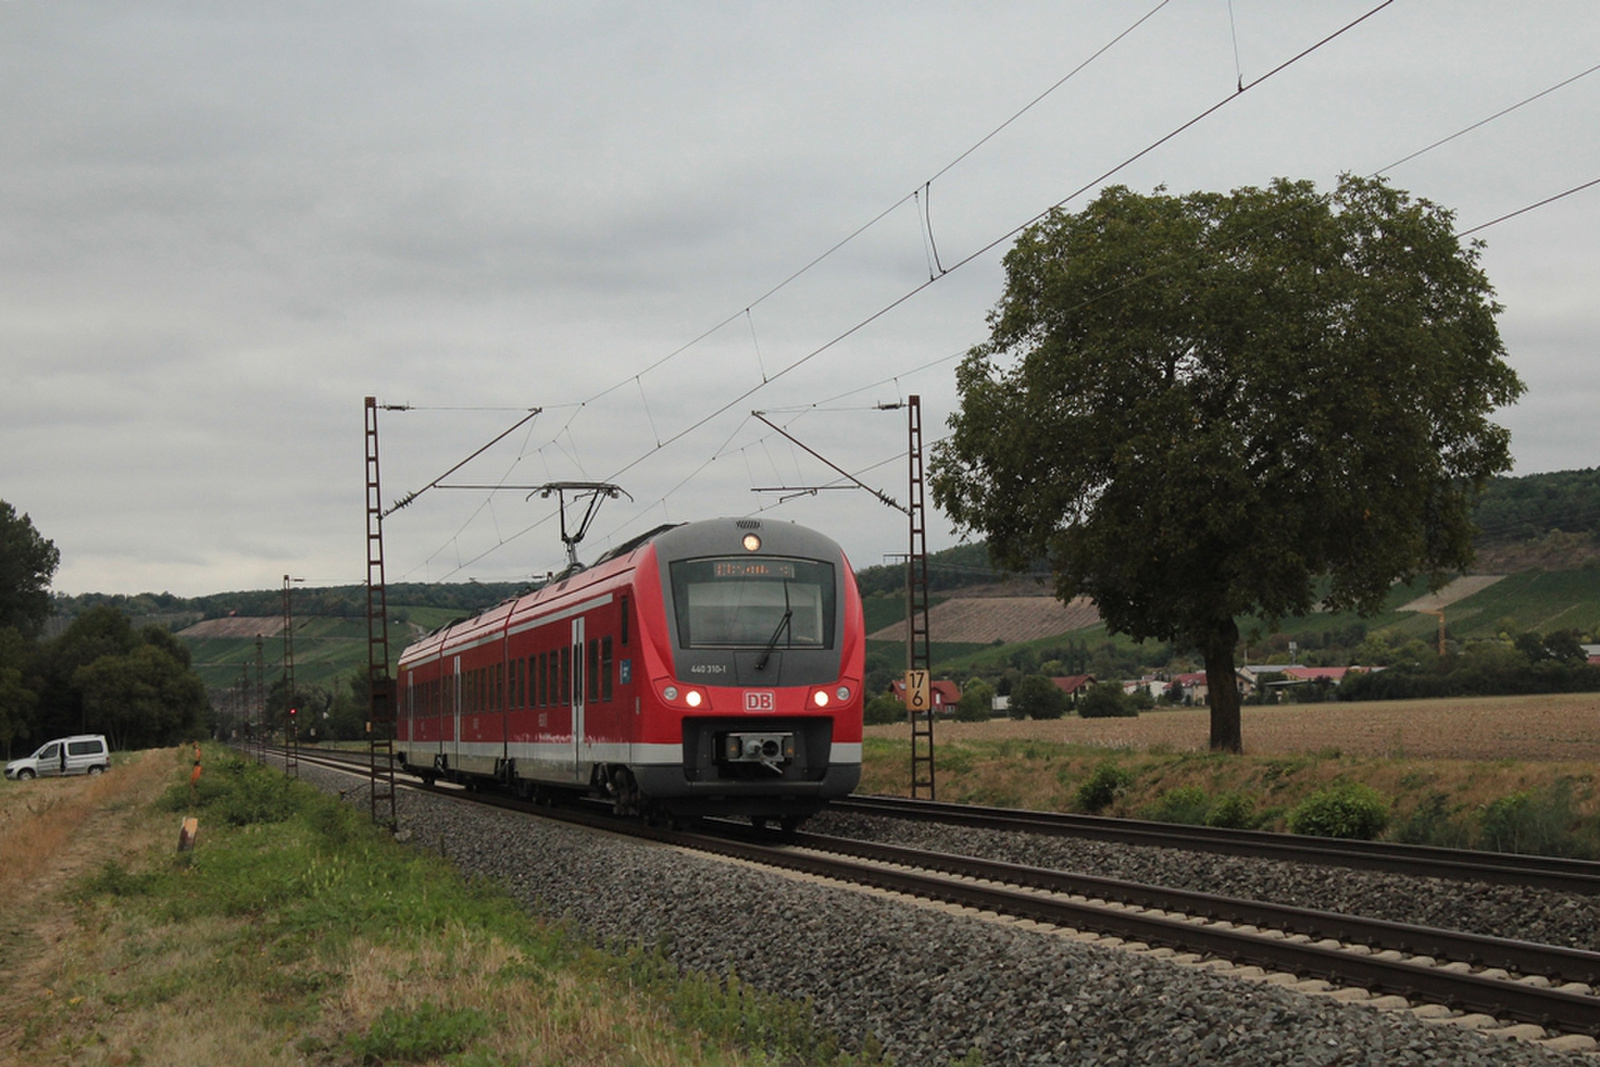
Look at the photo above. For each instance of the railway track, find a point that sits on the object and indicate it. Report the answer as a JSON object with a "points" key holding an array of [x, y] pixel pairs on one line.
{"points": [[1537, 872], [1488, 978]]}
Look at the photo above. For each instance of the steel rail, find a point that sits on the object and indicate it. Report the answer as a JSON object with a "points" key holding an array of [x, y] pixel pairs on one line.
{"points": [[1038, 899], [1539, 872], [1524, 957]]}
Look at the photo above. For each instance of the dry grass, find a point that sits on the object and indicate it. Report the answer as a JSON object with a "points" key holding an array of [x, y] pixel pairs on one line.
{"points": [[1471, 751], [38, 817], [111, 978]]}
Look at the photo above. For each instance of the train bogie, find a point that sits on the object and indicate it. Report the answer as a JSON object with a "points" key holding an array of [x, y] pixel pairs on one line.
{"points": [[714, 667]]}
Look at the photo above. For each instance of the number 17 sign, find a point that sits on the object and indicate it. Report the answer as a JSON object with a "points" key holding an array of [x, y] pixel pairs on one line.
{"points": [[919, 695]]}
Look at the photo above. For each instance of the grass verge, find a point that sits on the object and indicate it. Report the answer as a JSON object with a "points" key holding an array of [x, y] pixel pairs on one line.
{"points": [[295, 932]]}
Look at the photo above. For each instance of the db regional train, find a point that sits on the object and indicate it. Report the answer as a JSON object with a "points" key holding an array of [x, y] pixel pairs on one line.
{"points": [[713, 667]]}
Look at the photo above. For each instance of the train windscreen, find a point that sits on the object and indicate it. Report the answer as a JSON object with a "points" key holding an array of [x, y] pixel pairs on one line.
{"points": [[740, 602]]}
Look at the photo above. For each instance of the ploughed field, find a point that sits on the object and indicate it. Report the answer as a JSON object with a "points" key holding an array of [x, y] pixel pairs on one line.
{"points": [[1557, 728]]}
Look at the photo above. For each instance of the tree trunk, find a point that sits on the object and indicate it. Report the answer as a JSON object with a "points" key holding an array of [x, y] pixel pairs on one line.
{"points": [[1223, 686]]}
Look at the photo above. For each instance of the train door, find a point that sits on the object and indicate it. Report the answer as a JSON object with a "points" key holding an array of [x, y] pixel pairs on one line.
{"points": [[575, 653], [454, 746]]}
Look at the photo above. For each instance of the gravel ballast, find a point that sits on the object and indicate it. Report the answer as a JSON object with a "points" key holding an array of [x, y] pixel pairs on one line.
{"points": [[931, 985]]}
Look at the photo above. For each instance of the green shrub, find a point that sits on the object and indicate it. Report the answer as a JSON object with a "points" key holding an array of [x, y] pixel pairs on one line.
{"points": [[977, 702], [1349, 810], [1107, 701], [1433, 823], [1532, 823], [1105, 785], [238, 792], [1037, 697], [883, 710], [1233, 811], [1187, 805]]}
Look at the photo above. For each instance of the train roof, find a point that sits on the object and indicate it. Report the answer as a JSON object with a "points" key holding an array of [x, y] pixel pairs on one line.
{"points": [[675, 541]]}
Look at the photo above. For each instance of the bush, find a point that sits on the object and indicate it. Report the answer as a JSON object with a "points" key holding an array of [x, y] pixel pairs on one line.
{"points": [[1233, 811], [1532, 823], [883, 710], [1105, 785], [1433, 823], [1351, 811], [1037, 697], [238, 792], [1107, 701], [1187, 805], [977, 702]]}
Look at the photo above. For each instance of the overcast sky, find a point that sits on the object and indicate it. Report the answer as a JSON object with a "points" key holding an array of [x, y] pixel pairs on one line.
{"points": [[222, 225]]}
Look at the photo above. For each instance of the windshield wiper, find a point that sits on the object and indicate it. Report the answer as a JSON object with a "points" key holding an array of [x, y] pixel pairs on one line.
{"points": [[772, 642]]}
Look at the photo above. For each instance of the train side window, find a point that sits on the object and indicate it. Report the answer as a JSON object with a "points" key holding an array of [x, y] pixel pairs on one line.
{"points": [[499, 672], [605, 667], [624, 622], [543, 678]]}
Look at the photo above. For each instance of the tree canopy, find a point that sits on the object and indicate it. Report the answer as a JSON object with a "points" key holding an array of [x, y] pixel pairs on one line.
{"points": [[27, 563], [1194, 407]]}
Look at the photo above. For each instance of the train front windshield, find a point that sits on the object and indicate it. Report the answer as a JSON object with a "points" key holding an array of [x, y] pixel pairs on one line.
{"points": [[739, 602]]}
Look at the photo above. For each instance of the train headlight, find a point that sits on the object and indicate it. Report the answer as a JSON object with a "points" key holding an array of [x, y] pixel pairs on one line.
{"points": [[752, 543], [670, 692], [692, 698], [820, 698], [843, 694]]}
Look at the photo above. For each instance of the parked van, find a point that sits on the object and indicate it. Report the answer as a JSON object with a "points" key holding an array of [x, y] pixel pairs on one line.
{"points": [[83, 754]]}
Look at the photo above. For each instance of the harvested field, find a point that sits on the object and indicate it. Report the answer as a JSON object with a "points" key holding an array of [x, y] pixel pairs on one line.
{"points": [[1541, 728], [983, 620], [1459, 589], [241, 626]]}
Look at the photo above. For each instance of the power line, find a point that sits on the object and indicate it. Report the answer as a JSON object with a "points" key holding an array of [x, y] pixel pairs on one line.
{"points": [[1530, 207], [802, 360], [1484, 122]]}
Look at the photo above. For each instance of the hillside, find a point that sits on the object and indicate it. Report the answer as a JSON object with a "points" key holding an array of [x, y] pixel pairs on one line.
{"points": [[1542, 532]]}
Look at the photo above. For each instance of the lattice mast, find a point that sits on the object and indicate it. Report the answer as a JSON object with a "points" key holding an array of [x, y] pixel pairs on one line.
{"points": [[291, 735], [918, 650], [380, 685]]}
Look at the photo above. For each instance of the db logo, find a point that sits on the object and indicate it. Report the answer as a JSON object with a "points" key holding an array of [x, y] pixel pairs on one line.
{"points": [[760, 700]]}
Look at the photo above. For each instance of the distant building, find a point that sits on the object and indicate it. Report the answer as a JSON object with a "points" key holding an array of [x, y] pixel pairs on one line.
{"points": [[1075, 686]]}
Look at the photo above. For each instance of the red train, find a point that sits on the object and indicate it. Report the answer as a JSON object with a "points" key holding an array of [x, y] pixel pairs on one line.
{"points": [[712, 667]]}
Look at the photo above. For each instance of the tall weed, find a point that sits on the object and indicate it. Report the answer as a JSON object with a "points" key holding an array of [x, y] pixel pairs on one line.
{"points": [[1534, 823], [1187, 805]]}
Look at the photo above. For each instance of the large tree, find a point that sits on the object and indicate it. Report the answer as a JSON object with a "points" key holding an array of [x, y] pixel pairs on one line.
{"points": [[27, 563], [1202, 407]]}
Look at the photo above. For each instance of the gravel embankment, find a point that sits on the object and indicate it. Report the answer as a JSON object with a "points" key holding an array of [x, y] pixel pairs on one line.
{"points": [[930, 985]]}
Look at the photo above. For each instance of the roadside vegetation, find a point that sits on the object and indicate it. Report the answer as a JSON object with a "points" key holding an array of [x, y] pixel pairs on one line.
{"points": [[295, 930]]}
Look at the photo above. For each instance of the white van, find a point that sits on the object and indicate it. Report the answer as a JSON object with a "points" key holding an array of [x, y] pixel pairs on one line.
{"points": [[82, 754]]}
